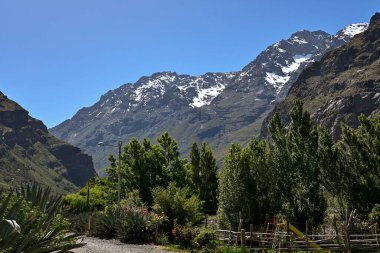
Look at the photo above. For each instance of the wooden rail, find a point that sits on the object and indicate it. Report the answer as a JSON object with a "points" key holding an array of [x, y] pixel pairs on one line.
{"points": [[285, 241]]}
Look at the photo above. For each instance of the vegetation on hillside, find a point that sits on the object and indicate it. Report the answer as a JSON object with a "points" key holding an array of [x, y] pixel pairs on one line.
{"points": [[300, 173]]}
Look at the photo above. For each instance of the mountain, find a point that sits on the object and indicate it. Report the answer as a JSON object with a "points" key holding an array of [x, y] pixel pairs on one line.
{"points": [[29, 153], [219, 108], [342, 85]]}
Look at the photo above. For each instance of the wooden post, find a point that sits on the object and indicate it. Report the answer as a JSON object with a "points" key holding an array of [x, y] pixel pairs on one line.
{"points": [[242, 237], [206, 220], [250, 235], [230, 236], [239, 229], [306, 237], [288, 236]]}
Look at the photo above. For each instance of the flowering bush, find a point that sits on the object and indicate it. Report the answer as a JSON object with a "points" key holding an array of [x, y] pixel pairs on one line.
{"points": [[184, 235], [135, 225]]}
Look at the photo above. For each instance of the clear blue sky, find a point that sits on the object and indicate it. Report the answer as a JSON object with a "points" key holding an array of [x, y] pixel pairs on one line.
{"points": [[59, 56]]}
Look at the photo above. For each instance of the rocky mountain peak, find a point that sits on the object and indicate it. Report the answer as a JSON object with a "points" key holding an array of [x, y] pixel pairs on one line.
{"points": [[351, 30], [215, 107], [28, 153], [343, 84]]}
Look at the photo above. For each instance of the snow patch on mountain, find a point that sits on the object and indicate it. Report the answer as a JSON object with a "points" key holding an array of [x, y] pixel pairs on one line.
{"points": [[205, 96], [296, 39], [354, 29], [276, 81]]}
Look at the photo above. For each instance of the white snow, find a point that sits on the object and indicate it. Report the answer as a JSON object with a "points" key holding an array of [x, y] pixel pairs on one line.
{"points": [[298, 58], [299, 41], [156, 85], [354, 29], [276, 81], [206, 95], [281, 50], [297, 61]]}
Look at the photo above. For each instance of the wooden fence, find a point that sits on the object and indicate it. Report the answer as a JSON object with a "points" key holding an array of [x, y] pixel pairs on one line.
{"points": [[283, 241]]}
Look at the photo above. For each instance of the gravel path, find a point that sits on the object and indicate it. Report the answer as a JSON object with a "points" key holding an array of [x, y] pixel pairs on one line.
{"points": [[96, 245]]}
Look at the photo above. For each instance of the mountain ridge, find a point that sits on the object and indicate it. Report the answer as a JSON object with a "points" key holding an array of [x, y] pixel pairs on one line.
{"points": [[216, 107], [29, 153], [340, 87]]}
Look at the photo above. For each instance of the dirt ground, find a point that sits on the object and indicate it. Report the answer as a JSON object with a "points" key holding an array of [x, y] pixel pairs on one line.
{"points": [[96, 245]]}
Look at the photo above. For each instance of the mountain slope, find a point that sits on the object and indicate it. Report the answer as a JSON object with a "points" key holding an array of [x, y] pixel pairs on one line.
{"points": [[28, 153], [343, 85], [219, 108]]}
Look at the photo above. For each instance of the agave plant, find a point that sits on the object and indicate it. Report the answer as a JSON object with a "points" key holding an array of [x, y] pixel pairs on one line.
{"points": [[41, 229], [9, 229]]}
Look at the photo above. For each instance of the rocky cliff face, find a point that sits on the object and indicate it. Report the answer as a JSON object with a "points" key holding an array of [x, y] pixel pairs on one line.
{"points": [[343, 85], [29, 153], [219, 108]]}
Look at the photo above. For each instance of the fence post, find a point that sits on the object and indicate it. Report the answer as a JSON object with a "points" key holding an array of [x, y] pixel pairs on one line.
{"points": [[230, 236], [239, 229], [250, 235], [242, 236], [306, 237], [288, 246]]}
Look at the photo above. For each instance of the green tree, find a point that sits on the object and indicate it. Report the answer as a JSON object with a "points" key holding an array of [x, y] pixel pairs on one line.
{"points": [[204, 175], [247, 185], [146, 165], [233, 185], [352, 172], [296, 161], [174, 166]]}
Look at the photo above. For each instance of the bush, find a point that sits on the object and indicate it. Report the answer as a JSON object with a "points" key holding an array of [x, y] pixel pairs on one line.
{"points": [[101, 196], [205, 239], [177, 204], [229, 249], [134, 225], [79, 222], [106, 224], [184, 235], [374, 216]]}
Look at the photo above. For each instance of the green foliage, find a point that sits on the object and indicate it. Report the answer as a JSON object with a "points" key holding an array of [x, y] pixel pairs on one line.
{"points": [[204, 175], [106, 224], [134, 225], [205, 239], [296, 160], [232, 189], [184, 235], [374, 216], [41, 227], [145, 166], [351, 171], [263, 179], [230, 249], [247, 185], [101, 194], [177, 205]]}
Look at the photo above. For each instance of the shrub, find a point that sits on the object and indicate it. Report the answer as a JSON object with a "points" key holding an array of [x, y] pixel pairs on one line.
{"points": [[177, 204], [101, 196], [184, 235], [205, 239], [79, 222], [134, 225], [162, 239], [374, 216], [106, 224]]}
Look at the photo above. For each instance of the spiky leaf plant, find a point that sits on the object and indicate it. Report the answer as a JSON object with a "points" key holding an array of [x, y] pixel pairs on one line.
{"points": [[41, 229]]}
